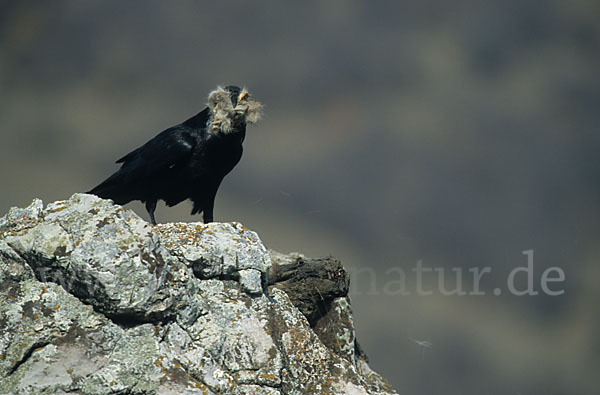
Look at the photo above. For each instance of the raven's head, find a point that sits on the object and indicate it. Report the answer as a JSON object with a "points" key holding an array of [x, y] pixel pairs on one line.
{"points": [[231, 105]]}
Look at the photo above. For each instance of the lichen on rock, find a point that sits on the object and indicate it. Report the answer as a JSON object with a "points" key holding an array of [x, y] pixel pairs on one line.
{"points": [[94, 300]]}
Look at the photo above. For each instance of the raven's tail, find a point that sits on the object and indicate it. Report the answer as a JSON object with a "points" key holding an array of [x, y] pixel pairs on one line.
{"points": [[113, 188]]}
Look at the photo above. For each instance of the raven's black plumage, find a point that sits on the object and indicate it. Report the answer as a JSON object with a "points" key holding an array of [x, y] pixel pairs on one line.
{"points": [[186, 161]]}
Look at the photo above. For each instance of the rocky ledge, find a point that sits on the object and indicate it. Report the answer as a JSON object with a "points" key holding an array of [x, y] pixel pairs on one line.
{"points": [[94, 300]]}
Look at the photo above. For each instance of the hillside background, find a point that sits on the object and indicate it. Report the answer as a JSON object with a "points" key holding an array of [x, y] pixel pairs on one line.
{"points": [[459, 134]]}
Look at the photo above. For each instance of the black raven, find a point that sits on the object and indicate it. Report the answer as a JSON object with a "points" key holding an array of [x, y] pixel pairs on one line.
{"points": [[186, 161]]}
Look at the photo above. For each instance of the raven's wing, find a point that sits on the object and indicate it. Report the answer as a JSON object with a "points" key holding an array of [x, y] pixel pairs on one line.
{"points": [[168, 148], [147, 164]]}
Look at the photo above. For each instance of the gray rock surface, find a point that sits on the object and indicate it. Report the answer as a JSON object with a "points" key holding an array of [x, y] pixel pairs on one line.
{"points": [[94, 300]]}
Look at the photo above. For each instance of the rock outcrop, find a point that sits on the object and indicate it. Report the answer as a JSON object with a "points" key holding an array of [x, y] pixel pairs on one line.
{"points": [[94, 300]]}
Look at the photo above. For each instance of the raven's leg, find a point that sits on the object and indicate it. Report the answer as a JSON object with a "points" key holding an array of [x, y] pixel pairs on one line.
{"points": [[150, 207], [207, 213]]}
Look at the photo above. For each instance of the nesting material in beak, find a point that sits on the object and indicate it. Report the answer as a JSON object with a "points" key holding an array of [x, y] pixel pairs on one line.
{"points": [[224, 114]]}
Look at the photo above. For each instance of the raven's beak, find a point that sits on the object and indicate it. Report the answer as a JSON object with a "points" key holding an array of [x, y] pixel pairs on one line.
{"points": [[242, 96]]}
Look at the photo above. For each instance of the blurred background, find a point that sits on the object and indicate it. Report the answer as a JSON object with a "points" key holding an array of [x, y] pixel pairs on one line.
{"points": [[459, 134]]}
